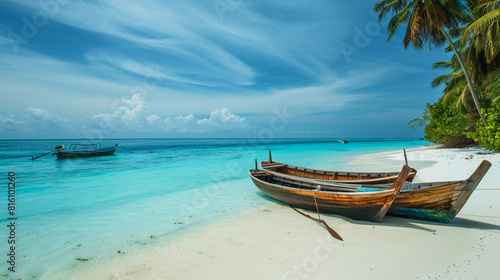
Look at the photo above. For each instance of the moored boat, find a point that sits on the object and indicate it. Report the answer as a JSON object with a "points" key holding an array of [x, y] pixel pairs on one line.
{"points": [[331, 198], [333, 176], [431, 201], [84, 150]]}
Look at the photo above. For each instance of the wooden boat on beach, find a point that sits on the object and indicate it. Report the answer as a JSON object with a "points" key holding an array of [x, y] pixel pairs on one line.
{"points": [[83, 150], [367, 178], [437, 201], [330, 197], [431, 201]]}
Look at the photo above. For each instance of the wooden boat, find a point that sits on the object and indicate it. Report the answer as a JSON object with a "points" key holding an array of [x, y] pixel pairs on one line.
{"points": [[337, 176], [84, 150], [330, 198], [437, 201], [431, 201]]}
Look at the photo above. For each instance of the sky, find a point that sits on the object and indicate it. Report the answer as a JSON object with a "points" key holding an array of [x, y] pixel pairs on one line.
{"points": [[211, 68]]}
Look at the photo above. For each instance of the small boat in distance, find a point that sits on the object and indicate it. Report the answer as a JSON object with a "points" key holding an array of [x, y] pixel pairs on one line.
{"points": [[343, 141], [83, 150], [330, 198], [367, 178]]}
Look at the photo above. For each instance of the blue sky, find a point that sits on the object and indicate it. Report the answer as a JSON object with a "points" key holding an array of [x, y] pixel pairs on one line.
{"points": [[216, 68]]}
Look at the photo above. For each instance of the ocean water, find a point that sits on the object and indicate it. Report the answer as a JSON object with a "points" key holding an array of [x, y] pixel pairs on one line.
{"points": [[74, 211]]}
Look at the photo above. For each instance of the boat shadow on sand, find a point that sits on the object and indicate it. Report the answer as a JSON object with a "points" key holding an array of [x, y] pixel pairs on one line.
{"points": [[392, 221], [457, 222]]}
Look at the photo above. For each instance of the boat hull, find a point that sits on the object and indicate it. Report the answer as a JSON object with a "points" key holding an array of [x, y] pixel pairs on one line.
{"points": [[368, 206], [84, 154]]}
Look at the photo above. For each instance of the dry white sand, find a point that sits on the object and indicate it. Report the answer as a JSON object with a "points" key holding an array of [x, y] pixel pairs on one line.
{"points": [[275, 242]]}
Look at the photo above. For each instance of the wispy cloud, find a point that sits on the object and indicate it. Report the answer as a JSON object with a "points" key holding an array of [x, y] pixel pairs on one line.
{"points": [[33, 80], [10, 123], [191, 36], [45, 120], [189, 65]]}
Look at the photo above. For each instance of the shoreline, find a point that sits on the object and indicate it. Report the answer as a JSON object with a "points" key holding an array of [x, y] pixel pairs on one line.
{"points": [[275, 242]]}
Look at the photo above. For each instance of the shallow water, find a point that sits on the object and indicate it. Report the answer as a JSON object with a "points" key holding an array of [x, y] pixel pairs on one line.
{"points": [[73, 210]]}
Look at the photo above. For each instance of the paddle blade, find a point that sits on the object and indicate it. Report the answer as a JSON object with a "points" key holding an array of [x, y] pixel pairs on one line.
{"points": [[332, 232]]}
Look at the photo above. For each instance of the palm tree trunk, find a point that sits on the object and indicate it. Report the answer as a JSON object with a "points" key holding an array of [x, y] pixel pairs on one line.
{"points": [[466, 73]]}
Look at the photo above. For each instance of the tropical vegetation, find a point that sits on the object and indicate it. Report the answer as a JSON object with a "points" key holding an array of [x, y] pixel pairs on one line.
{"points": [[470, 104]]}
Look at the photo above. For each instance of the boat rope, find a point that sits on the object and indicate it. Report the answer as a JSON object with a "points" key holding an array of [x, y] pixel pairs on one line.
{"points": [[33, 157], [315, 202]]}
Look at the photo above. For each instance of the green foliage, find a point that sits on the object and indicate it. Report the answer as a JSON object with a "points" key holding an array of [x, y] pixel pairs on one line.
{"points": [[488, 135], [444, 122], [421, 122]]}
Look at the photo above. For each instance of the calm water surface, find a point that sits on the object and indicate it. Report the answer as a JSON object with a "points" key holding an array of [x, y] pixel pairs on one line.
{"points": [[151, 189]]}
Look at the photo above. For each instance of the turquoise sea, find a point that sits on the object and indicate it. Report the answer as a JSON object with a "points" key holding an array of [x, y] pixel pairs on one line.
{"points": [[72, 211]]}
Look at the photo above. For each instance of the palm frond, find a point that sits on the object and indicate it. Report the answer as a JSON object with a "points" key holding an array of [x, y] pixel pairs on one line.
{"points": [[443, 65], [389, 6], [463, 99], [482, 23], [443, 79], [492, 88], [412, 30], [400, 18]]}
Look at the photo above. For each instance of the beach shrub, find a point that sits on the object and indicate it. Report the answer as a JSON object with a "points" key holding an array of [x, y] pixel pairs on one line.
{"points": [[444, 122], [488, 135]]}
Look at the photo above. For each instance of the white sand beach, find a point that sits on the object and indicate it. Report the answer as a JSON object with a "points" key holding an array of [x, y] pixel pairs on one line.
{"points": [[275, 242]]}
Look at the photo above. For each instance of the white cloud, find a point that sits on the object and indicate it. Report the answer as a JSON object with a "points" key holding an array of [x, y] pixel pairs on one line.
{"points": [[153, 119], [223, 119], [45, 120], [186, 118], [35, 120], [130, 114], [10, 124], [219, 120]]}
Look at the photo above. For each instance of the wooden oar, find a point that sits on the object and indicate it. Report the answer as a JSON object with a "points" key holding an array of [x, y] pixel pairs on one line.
{"points": [[330, 230]]}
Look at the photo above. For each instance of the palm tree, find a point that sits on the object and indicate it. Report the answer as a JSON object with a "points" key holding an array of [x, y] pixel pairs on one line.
{"points": [[486, 77], [427, 21], [485, 31], [456, 88]]}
